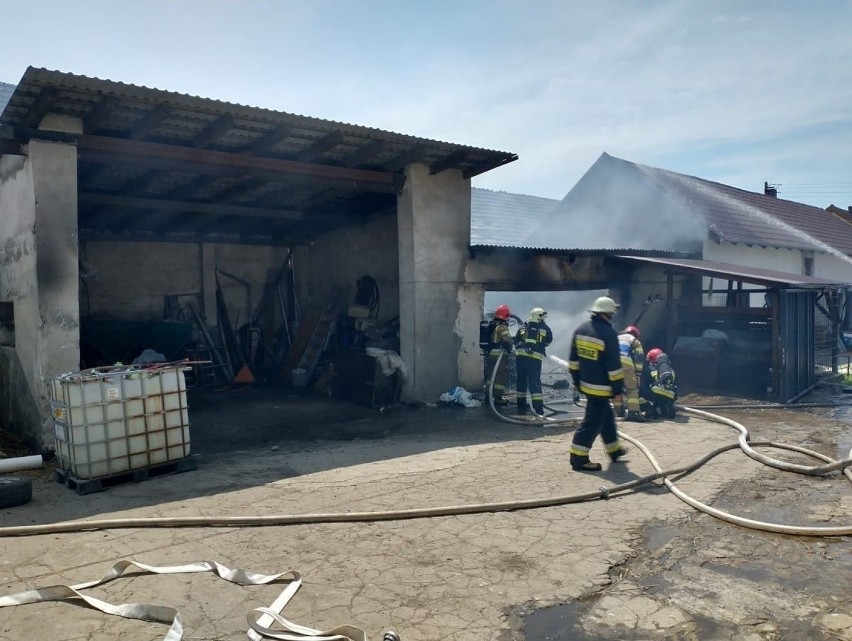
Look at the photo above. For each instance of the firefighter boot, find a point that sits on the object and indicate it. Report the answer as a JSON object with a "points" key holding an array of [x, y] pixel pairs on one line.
{"points": [[523, 408], [635, 417], [583, 464], [618, 454]]}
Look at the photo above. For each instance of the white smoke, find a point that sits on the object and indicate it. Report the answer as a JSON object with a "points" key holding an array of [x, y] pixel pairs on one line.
{"points": [[565, 312]]}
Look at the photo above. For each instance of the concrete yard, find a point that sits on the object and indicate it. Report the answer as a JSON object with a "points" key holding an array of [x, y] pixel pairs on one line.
{"points": [[642, 565]]}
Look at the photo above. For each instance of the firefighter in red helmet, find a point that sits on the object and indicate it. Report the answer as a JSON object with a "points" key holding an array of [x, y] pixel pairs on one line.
{"points": [[500, 342], [658, 387], [632, 361]]}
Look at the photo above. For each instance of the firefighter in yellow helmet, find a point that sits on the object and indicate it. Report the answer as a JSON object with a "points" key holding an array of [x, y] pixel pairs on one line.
{"points": [[531, 341], [632, 360], [595, 366], [500, 341]]}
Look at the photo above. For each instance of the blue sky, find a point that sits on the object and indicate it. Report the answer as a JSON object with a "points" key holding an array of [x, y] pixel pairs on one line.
{"points": [[737, 92]]}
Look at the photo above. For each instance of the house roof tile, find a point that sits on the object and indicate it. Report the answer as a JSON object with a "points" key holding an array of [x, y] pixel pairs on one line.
{"points": [[649, 208]]}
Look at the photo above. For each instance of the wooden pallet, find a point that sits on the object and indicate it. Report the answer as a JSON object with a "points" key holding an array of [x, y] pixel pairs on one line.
{"points": [[89, 486]]}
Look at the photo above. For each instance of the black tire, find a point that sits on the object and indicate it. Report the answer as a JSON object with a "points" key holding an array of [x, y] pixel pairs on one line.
{"points": [[15, 490]]}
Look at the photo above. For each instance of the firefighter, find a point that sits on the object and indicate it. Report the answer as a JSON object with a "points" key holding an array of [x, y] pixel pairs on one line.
{"points": [[658, 387], [632, 360], [530, 343], [595, 366], [500, 341]]}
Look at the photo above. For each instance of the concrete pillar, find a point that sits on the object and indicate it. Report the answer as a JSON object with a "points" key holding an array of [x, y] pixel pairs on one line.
{"points": [[470, 358], [54, 175], [433, 214]]}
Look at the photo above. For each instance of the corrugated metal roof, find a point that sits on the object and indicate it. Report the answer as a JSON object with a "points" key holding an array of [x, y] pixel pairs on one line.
{"points": [[729, 271], [182, 117], [156, 164], [502, 219], [6, 91], [618, 203]]}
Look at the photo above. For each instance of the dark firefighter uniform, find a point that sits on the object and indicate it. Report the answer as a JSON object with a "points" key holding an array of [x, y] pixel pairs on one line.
{"points": [[501, 341], [658, 386], [530, 343], [595, 366]]}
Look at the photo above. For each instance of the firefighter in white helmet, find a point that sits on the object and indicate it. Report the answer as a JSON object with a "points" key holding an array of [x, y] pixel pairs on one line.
{"points": [[595, 366], [632, 360], [531, 340]]}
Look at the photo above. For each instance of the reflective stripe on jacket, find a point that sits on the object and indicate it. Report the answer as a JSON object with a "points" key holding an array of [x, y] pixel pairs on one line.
{"points": [[532, 339], [501, 338], [632, 354], [595, 362]]}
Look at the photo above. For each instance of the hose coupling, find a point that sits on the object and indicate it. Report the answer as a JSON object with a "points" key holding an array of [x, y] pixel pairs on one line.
{"points": [[390, 635], [604, 492]]}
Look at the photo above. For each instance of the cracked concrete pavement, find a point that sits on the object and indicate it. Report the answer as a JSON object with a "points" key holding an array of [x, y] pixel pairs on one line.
{"points": [[459, 578]]}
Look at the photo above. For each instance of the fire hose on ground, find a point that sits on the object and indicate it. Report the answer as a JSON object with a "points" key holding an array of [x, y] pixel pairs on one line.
{"points": [[261, 618], [744, 443]]}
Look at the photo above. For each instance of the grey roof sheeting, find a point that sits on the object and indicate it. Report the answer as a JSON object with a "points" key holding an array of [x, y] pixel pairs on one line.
{"points": [[6, 91], [159, 165], [186, 116], [502, 219], [649, 208], [728, 271]]}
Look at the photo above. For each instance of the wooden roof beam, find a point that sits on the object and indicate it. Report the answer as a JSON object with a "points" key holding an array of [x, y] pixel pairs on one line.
{"points": [[91, 233], [96, 117], [157, 204], [211, 134], [321, 146], [271, 138], [149, 122], [365, 153], [221, 163]]}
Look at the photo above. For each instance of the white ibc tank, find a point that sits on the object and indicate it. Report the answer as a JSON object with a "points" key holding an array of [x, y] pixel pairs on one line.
{"points": [[111, 421]]}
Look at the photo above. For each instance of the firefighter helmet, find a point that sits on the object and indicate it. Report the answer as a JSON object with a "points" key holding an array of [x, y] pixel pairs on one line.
{"points": [[631, 329], [537, 315], [654, 354], [604, 305], [502, 312]]}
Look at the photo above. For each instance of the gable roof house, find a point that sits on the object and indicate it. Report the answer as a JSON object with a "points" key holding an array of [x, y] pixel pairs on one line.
{"points": [[753, 266]]}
